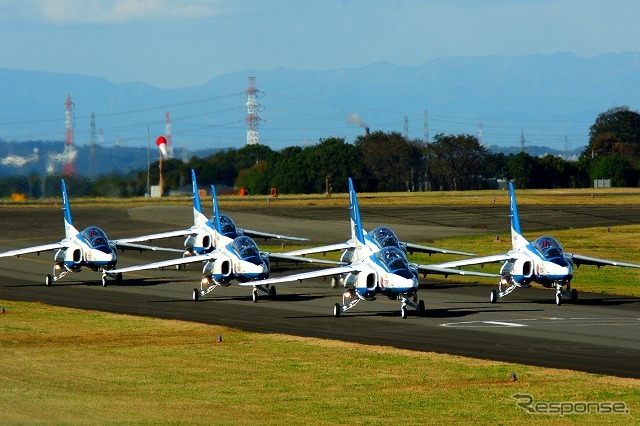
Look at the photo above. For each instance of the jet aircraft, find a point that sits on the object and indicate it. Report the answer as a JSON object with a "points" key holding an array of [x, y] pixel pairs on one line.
{"points": [[200, 236], [373, 271], [229, 254], [542, 261], [89, 249]]}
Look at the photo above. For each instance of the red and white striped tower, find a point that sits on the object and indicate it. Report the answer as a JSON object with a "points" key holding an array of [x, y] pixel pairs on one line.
{"points": [[69, 167]]}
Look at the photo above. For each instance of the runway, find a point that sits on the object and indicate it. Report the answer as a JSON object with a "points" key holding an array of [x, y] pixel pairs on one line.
{"points": [[600, 334]]}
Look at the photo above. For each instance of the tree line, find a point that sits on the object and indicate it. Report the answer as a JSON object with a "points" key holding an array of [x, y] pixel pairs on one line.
{"points": [[379, 161]]}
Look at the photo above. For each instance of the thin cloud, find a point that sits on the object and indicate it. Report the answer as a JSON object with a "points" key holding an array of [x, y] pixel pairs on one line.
{"points": [[61, 12]]}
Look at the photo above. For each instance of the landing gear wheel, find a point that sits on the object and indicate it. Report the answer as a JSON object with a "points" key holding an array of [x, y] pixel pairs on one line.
{"points": [[421, 307], [558, 299], [272, 293], [47, 280], [254, 296], [196, 294], [119, 278], [104, 281], [574, 295], [493, 297], [403, 312], [336, 310]]}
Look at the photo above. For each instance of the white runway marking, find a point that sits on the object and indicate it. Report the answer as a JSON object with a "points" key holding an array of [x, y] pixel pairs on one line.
{"points": [[505, 324], [546, 322]]}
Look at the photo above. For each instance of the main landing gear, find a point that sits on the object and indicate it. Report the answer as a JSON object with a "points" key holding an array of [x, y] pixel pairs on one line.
{"points": [[571, 294], [59, 271], [351, 298], [208, 288], [511, 284], [117, 277], [270, 290]]}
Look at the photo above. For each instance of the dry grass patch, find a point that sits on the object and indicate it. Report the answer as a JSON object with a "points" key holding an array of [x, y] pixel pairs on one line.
{"points": [[60, 365], [587, 196]]}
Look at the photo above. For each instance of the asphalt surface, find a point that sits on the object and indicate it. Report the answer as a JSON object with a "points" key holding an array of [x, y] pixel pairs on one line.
{"points": [[599, 334]]}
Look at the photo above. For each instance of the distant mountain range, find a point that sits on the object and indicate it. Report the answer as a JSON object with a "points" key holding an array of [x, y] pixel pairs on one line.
{"points": [[23, 158], [550, 100]]}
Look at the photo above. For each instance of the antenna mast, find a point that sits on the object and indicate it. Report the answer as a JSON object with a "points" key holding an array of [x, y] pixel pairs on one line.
{"points": [[92, 151], [426, 127], [406, 127], [167, 134]]}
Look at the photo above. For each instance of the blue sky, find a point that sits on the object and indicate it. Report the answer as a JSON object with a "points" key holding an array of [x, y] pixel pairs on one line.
{"points": [[181, 43]]}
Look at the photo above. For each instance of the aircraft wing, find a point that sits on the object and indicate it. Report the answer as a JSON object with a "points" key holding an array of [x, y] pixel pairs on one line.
{"points": [[266, 235], [579, 259], [169, 234], [475, 261], [289, 258], [302, 276], [135, 246], [321, 249], [163, 264], [430, 269], [35, 249], [410, 247]]}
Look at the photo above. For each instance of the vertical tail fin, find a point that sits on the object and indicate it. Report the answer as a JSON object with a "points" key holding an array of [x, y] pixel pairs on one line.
{"points": [[216, 211], [198, 217], [517, 240], [69, 229], [356, 223]]}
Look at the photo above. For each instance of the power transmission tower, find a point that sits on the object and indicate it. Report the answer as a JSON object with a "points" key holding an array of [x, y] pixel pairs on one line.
{"points": [[252, 118]]}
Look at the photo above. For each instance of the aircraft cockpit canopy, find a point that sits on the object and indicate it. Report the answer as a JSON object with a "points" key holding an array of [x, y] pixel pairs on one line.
{"points": [[548, 247], [384, 237], [396, 261], [228, 226], [247, 249], [97, 239]]}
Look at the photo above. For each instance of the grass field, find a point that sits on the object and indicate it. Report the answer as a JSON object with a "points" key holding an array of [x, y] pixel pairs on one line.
{"points": [[60, 365]]}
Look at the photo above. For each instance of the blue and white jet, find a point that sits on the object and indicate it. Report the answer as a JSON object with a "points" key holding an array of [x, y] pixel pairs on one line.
{"points": [[374, 271], [377, 239], [542, 261], [229, 255], [87, 249]]}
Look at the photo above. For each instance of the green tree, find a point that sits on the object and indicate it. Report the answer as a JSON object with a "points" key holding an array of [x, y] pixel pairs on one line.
{"points": [[615, 167], [616, 131], [255, 178], [391, 162], [456, 162], [289, 172]]}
